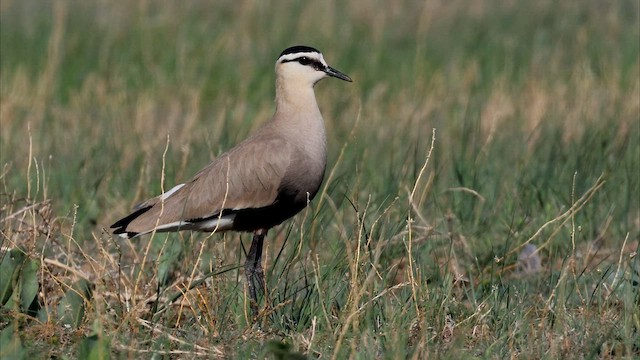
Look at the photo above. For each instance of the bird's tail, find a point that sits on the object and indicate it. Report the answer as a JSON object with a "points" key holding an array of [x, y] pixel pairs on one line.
{"points": [[120, 226]]}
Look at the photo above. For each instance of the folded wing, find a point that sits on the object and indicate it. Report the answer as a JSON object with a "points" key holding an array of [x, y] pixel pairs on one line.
{"points": [[248, 176]]}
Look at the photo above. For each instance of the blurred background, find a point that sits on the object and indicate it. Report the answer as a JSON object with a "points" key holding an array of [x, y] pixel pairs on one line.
{"points": [[531, 109]]}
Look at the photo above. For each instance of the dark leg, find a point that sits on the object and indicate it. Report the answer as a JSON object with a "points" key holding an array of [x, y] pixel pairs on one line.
{"points": [[253, 270]]}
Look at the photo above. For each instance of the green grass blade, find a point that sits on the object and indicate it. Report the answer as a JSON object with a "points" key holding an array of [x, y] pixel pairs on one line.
{"points": [[29, 286], [9, 271], [94, 347], [10, 344], [72, 306]]}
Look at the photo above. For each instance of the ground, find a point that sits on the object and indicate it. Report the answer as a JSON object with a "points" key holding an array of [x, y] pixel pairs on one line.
{"points": [[481, 198]]}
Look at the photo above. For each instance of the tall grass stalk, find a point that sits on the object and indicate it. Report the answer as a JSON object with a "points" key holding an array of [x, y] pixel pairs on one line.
{"points": [[515, 235]]}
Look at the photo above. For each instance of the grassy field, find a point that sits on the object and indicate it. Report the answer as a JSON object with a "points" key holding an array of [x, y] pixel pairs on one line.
{"points": [[474, 134]]}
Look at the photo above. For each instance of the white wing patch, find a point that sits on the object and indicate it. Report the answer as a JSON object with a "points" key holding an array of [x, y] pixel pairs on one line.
{"points": [[222, 223], [171, 192]]}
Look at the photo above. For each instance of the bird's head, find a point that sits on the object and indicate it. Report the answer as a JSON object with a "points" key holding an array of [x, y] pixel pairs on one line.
{"points": [[304, 65]]}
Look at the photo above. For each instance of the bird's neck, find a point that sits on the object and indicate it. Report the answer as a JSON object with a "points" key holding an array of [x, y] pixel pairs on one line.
{"points": [[298, 115], [295, 97]]}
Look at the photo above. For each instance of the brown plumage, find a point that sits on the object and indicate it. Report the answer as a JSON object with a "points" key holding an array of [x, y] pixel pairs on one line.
{"points": [[263, 180]]}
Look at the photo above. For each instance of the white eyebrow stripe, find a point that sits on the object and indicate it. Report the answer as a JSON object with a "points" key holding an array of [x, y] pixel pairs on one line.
{"points": [[311, 55]]}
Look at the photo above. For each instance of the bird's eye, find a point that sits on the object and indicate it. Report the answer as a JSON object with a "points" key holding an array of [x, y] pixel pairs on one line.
{"points": [[305, 60]]}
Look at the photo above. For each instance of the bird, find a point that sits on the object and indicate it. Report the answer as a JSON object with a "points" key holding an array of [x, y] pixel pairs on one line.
{"points": [[262, 181]]}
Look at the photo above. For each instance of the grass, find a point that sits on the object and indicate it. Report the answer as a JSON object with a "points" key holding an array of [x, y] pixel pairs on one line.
{"points": [[470, 131]]}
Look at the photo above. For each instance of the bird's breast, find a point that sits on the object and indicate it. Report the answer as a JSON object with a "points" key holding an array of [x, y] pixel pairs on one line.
{"points": [[304, 177]]}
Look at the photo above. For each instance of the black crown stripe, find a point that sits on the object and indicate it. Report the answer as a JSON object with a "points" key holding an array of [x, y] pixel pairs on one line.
{"points": [[298, 49]]}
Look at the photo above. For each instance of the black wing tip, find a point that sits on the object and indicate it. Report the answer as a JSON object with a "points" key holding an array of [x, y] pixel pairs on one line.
{"points": [[120, 226]]}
